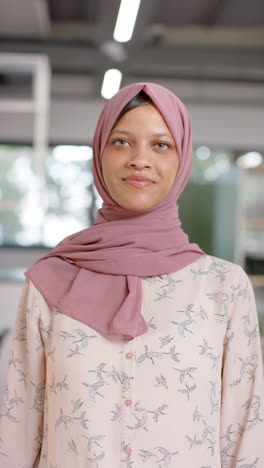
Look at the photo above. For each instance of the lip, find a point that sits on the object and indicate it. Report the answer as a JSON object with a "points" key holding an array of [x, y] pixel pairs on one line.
{"points": [[138, 181]]}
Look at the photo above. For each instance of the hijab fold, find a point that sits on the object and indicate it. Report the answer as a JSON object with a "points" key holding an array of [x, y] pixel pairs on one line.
{"points": [[95, 275]]}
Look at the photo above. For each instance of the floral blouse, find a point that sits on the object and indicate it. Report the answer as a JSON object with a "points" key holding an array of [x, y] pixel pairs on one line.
{"points": [[189, 393]]}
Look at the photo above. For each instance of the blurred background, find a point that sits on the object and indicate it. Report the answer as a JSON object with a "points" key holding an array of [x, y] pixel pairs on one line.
{"points": [[60, 60]]}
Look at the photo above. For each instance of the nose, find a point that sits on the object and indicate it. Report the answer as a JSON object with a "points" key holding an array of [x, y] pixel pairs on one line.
{"points": [[140, 159]]}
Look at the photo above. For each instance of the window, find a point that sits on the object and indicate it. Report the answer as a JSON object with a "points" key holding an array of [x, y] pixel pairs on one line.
{"points": [[67, 204]]}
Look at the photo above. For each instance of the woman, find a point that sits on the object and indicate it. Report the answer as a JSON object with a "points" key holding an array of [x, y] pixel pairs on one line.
{"points": [[132, 347]]}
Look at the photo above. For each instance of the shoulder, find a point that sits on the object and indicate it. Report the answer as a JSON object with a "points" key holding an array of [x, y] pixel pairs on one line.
{"points": [[231, 278], [33, 298], [30, 289], [213, 263]]}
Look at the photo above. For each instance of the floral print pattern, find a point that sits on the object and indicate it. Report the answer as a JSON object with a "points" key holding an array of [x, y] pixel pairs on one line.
{"points": [[188, 393]]}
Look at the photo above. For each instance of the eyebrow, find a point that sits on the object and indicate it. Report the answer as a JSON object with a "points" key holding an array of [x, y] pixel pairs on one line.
{"points": [[127, 132]]}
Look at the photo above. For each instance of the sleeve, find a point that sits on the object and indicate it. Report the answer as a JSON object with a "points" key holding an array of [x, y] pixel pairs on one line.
{"points": [[242, 392], [21, 410]]}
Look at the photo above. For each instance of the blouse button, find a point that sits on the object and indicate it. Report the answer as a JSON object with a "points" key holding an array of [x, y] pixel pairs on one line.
{"points": [[129, 355], [128, 450], [128, 402]]}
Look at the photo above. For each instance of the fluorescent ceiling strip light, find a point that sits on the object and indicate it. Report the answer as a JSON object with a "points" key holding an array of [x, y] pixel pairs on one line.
{"points": [[111, 83], [126, 19]]}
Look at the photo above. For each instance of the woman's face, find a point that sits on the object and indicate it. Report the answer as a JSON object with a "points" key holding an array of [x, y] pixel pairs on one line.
{"points": [[140, 160]]}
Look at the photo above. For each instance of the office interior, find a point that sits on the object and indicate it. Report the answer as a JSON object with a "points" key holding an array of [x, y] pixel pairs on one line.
{"points": [[60, 60]]}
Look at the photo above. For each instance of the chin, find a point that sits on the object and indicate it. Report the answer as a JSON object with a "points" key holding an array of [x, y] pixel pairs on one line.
{"points": [[140, 208], [138, 204]]}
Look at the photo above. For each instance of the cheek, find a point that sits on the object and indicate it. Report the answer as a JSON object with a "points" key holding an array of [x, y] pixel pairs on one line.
{"points": [[109, 172], [171, 173], [106, 173], [107, 167], [104, 169]]}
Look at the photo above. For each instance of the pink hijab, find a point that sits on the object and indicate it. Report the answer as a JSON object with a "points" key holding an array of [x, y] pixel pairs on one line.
{"points": [[95, 275]]}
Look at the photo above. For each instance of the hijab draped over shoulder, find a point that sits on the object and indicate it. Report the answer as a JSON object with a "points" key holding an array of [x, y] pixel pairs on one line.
{"points": [[95, 275]]}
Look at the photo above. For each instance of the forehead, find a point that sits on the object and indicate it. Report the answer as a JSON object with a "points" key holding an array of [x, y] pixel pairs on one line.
{"points": [[144, 118]]}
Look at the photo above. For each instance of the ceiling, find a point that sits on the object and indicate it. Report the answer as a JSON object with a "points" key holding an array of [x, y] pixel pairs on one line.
{"points": [[168, 12], [202, 40]]}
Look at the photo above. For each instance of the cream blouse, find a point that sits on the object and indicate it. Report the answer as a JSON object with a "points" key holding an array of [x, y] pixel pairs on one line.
{"points": [[189, 393]]}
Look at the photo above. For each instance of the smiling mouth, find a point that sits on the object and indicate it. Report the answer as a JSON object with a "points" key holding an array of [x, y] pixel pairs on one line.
{"points": [[139, 182]]}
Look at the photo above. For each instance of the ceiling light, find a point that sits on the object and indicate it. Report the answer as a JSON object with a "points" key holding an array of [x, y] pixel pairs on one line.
{"points": [[111, 83], [251, 159], [114, 51], [126, 19]]}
